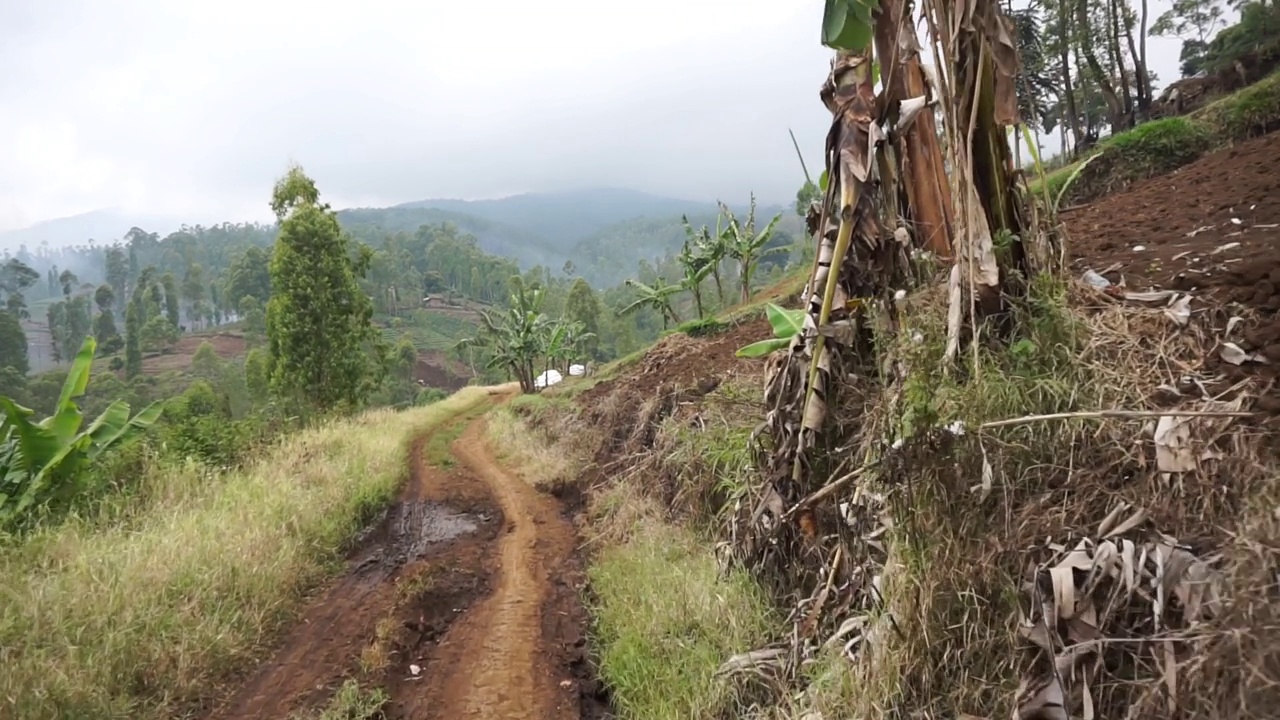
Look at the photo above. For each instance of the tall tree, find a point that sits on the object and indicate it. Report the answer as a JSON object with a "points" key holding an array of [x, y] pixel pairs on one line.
{"points": [[171, 307], [1195, 22], [582, 306], [133, 338], [193, 292], [117, 273], [249, 274], [13, 343], [318, 320], [104, 326], [15, 277], [68, 281]]}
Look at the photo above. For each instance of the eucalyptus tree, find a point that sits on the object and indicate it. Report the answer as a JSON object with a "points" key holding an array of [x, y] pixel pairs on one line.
{"points": [[318, 320]]}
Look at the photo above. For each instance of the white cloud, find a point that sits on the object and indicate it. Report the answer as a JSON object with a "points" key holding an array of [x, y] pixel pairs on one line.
{"points": [[193, 108]]}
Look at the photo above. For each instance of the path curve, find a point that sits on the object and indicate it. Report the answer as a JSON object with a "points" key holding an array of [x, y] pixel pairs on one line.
{"points": [[494, 663]]}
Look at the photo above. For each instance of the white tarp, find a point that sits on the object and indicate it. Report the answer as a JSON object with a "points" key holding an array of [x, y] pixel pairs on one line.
{"points": [[547, 379]]}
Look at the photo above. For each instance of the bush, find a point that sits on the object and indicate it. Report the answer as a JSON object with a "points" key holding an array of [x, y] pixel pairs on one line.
{"points": [[1253, 111]]}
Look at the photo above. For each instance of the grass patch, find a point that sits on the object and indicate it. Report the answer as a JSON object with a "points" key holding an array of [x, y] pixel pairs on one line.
{"points": [[532, 452], [1164, 145], [666, 618], [142, 615], [702, 327], [437, 447], [350, 703], [1249, 112]]}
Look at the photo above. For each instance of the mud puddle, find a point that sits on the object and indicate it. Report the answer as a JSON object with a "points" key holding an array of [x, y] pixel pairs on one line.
{"points": [[422, 563]]}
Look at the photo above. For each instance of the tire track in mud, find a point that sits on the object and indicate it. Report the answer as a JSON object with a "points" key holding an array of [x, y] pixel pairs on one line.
{"points": [[468, 588], [497, 662]]}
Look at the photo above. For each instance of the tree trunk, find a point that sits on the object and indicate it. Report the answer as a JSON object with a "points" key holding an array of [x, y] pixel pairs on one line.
{"points": [[983, 65], [1073, 116], [1090, 55], [1126, 94], [1144, 77], [919, 154]]}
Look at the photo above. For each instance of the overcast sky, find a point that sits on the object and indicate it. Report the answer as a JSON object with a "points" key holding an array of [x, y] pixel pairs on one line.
{"points": [[192, 108]]}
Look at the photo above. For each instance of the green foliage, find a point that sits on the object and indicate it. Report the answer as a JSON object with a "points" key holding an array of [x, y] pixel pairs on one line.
{"points": [[41, 462], [1247, 113], [428, 396], [745, 245], [703, 327], [159, 334], [171, 307], [786, 324], [13, 343], [198, 424], [249, 276], [350, 703], [848, 24], [205, 363], [657, 296], [582, 306], [318, 320], [133, 340], [257, 374], [666, 618]]}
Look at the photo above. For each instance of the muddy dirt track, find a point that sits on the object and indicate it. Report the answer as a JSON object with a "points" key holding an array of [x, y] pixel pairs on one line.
{"points": [[463, 601]]}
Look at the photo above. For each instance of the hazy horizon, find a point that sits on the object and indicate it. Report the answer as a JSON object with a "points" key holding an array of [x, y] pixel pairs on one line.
{"points": [[192, 110]]}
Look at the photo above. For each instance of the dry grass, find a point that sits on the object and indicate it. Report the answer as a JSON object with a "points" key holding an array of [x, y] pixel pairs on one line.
{"points": [[144, 616], [971, 527], [545, 461]]}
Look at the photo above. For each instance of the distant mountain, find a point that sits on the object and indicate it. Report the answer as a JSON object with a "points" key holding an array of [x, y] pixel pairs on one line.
{"points": [[103, 226], [604, 232], [564, 218]]}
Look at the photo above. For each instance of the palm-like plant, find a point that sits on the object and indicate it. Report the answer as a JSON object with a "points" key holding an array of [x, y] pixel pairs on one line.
{"points": [[696, 269], [712, 249], [42, 461], [515, 337], [744, 244], [565, 340], [657, 296]]}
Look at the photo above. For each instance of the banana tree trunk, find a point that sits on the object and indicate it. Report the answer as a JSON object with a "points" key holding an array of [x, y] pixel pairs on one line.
{"points": [[922, 169], [976, 47]]}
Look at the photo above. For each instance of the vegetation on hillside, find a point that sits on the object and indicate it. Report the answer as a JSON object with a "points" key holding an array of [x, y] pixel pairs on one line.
{"points": [[141, 606], [918, 502]]}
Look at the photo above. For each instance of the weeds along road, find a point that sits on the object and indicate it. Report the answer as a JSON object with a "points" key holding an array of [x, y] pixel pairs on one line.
{"points": [[454, 605]]}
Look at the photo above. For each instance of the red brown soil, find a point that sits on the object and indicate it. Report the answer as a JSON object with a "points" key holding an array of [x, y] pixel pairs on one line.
{"points": [[225, 346], [438, 370], [681, 362], [1211, 228], [492, 617]]}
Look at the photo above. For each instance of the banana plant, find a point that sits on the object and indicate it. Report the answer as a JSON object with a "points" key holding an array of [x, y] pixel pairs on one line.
{"points": [[786, 324], [39, 460], [658, 296]]}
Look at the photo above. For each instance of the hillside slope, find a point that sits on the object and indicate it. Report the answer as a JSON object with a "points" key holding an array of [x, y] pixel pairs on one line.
{"points": [[892, 586]]}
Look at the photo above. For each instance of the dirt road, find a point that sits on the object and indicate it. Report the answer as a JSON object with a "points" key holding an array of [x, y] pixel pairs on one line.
{"points": [[463, 601], [495, 663]]}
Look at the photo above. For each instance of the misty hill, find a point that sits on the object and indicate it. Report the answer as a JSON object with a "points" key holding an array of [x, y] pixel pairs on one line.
{"points": [[564, 218], [604, 232], [102, 226]]}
